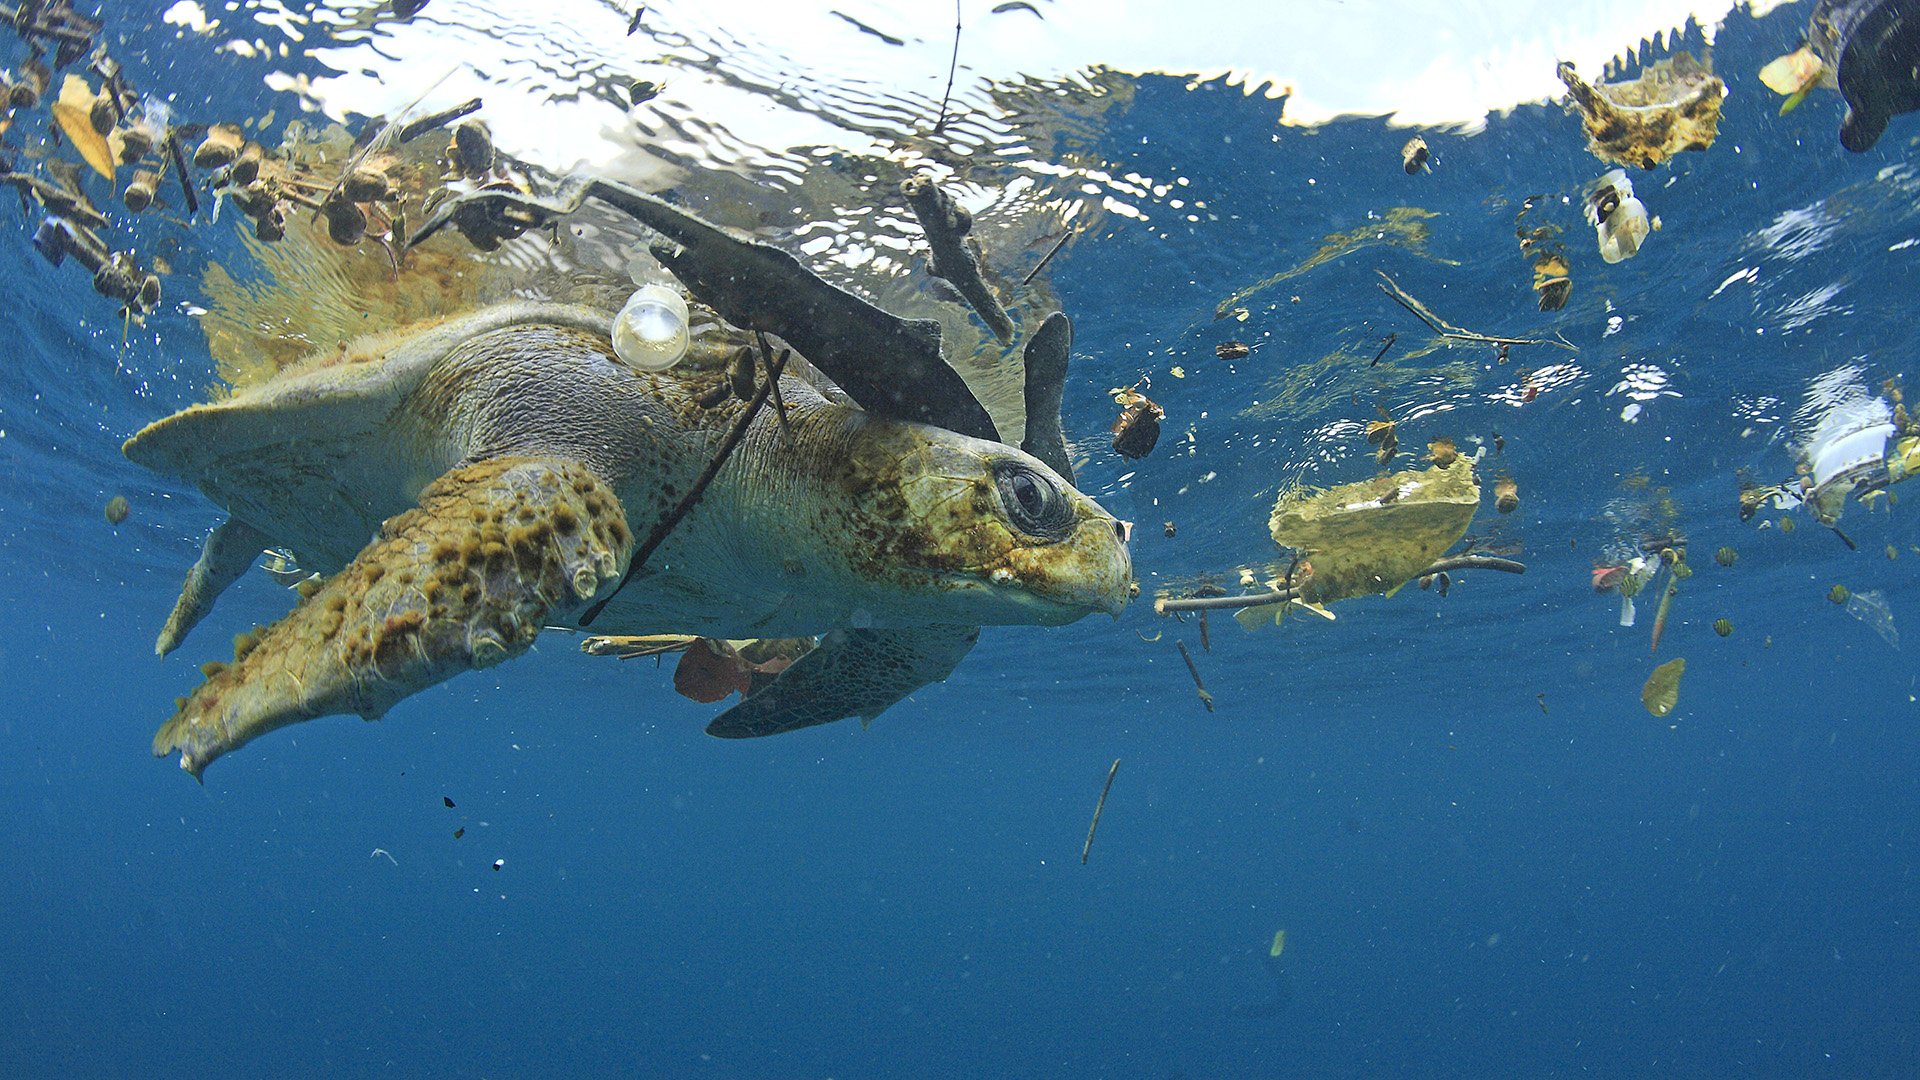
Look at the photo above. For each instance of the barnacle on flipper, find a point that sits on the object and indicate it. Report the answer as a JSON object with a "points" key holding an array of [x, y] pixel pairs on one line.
{"points": [[1673, 106]]}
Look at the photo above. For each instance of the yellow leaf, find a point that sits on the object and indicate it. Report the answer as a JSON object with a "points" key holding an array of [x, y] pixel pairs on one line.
{"points": [[74, 112]]}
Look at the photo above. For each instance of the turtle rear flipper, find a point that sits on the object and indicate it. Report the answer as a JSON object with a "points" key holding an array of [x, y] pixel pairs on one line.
{"points": [[229, 550], [494, 551], [853, 673]]}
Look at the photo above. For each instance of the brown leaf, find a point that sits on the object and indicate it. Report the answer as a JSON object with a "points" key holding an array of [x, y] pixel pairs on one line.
{"points": [[709, 671]]}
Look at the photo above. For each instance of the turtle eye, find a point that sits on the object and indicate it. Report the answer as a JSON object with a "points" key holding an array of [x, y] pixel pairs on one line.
{"points": [[1033, 501]]}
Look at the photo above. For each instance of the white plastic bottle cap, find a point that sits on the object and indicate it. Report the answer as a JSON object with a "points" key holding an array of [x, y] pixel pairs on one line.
{"points": [[650, 332]]}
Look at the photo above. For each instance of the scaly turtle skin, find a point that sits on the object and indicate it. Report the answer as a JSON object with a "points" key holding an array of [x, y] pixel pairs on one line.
{"points": [[504, 463]]}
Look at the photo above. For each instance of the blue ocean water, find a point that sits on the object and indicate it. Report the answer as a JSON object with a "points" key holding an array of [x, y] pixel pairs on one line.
{"points": [[1488, 858]]}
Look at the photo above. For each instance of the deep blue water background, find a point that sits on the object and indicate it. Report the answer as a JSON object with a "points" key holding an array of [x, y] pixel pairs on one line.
{"points": [[1472, 883]]}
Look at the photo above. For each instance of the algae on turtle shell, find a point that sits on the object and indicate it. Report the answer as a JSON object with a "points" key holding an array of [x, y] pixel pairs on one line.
{"points": [[1376, 535]]}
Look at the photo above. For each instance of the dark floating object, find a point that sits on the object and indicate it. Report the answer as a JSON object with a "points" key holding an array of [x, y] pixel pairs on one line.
{"points": [[1506, 494], [956, 256], [1137, 430], [641, 91], [1414, 155], [1873, 47], [406, 9], [1723, 627], [751, 283], [459, 832], [498, 863], [1232, 350], [471, 149], [447, 800], [1087, 847], [633, 24]]}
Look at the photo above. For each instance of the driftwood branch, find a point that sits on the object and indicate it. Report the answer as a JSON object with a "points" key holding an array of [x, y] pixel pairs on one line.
{"points": [[1454, 333]]}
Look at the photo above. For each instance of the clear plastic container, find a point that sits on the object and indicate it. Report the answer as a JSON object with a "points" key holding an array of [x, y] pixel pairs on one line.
{"points": [[650, 333]]}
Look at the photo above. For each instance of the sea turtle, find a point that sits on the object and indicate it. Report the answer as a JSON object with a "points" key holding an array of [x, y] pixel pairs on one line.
{"points": [[1872, 47], [505, 461]]}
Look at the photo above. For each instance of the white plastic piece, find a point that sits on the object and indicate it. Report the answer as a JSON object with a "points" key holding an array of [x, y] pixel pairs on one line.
{"points": [[1619, 220], [650, 333]]}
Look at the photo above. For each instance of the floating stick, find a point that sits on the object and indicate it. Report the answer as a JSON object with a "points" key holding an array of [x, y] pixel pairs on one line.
{"points": [[1281, 596], [1097, 807], [1454, 333], [1192, 669]]}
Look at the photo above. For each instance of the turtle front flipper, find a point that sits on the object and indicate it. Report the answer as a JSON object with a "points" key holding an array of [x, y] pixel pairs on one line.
{"points": [[494, 551], [229, 550], [852, 673]]}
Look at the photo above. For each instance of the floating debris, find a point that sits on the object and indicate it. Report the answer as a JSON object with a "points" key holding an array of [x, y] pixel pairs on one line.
{"points": [[116, 509], [1451, 333], [1382, 433], [1098, 806], [471, 149], [1413, 156], [1870, 607], [1726, 556], [1279, 944], [1232, 350], [1552, 274], [1375, 535], [1786, 524], [1662, 690], [498, 863], [1194, 670], [1673, 106], [1794, 75], [955, 254], [1384, 346], [1171, 529], [447, 800], [1619, 220], [1839, 594], [459, 832], [641, 91], [1542, 699], [1137, 429], [1723, 627], [1506, 494], [1892, 553]]}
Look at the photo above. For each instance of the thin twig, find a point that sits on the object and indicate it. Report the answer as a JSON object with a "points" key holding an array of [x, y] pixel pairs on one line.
{"points": [[1384, 346], [952, 66], [1194, 670], [1048, 257], [665, 525], [1281, 596], [180, 170], [417, 128], [779, 405], [1097, 807], [1454, 333]]}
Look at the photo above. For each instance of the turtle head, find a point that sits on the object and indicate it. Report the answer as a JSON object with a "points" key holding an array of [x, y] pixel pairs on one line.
{"points": [[982, 532]]}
